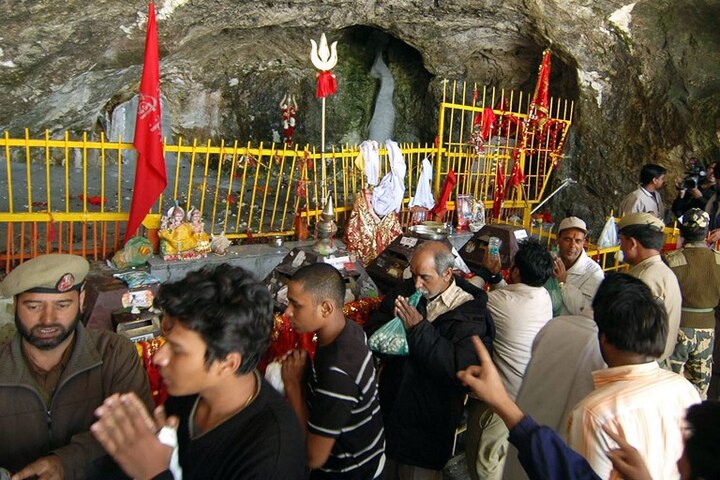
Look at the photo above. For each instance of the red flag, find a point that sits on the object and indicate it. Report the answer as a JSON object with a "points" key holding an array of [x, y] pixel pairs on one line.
{"points": [[485, 121], [517, 177], [499, 195], [541, 98], [150, 175]]}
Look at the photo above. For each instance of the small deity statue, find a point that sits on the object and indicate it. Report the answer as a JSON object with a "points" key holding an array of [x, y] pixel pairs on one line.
{"points": [[288, 107], [194, 217], [178, 237]]}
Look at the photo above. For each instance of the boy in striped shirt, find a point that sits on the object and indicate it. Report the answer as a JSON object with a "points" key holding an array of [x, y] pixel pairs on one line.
{"points": [[335, 394]]}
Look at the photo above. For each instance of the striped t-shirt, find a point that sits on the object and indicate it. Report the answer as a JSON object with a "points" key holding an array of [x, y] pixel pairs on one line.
{"points": [[343, 404]]}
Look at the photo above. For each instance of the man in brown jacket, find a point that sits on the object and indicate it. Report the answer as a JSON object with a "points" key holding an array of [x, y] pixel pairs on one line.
{"points": [[54, 374], [697, 268]]}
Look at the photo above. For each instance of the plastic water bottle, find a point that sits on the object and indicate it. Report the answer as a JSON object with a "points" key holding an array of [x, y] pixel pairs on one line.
{"points": [[494, 246]]}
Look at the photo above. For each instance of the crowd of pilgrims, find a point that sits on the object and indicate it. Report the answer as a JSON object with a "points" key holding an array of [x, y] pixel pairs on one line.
{"points": [[557, 369]]}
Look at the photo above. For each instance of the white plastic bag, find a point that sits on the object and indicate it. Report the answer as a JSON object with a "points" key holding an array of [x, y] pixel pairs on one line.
{"points": [[609, 236], [273, 376]]}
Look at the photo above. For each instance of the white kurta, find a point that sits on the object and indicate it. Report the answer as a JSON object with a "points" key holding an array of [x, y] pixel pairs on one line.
{"points": [[565, 353], [583, 280]]}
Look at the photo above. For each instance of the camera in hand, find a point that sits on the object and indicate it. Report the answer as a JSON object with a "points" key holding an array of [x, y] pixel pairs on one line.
{"points": [[694, 174]]}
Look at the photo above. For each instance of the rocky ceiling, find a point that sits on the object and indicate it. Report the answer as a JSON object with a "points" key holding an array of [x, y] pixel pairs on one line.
{"points": [[645, 76]]}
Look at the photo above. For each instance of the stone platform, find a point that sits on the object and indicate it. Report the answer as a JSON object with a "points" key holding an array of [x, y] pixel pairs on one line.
{"points": [[259, 259]]}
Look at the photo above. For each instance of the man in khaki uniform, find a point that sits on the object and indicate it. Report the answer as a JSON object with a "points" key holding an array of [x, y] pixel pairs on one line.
{"points": [[54, 374], [697, 268], [641, 240]]}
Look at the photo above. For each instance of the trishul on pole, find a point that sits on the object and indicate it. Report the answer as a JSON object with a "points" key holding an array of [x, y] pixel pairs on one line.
{"points": [[324, 59]]}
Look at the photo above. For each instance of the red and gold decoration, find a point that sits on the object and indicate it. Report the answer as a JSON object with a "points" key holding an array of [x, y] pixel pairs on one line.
{"points": [[288, 110], [499, 191], [146, 350]]}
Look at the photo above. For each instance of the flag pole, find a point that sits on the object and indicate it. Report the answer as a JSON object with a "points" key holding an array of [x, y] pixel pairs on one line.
{"points": [[324, 58], [322, 154]]}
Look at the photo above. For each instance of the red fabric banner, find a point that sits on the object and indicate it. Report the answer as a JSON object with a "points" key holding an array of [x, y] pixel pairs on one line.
{"points": [[446, 190], [499, 194], [485, 121], [150, 175], [541, 99], [326, 84], [517, 177]]}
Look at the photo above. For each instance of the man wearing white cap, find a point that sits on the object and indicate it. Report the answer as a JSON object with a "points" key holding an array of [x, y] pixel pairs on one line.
{"points": [[641, 240], [577, 275], [54, 374]]}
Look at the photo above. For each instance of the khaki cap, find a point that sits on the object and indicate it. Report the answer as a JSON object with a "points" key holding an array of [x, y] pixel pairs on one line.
{"points": [[641, 218], [52, 273], [572, 222]]}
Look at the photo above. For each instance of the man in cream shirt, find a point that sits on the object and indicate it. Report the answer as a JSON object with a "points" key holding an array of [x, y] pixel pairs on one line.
{"points": [[519, 310], [641, 240]]}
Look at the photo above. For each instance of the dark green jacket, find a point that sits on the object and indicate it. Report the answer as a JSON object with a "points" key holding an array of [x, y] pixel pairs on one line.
{"points": [[102, 363]]}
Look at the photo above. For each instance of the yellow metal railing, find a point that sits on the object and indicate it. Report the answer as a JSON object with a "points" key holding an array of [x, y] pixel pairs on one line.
{"points": [[74, 195], [476, 162]]}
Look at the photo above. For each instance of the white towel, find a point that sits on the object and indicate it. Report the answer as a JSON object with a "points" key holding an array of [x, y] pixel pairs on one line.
{"points": [[423, 193], [371, 158], [387, 197]]}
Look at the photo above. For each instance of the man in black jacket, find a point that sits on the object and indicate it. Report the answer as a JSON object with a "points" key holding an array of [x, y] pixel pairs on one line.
{"points": [[420, 396]]}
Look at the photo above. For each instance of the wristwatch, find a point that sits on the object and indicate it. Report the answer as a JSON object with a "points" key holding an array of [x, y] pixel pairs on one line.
{"points": [[561, 284]]}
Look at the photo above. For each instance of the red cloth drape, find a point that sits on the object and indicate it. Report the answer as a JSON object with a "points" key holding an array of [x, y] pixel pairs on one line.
{"points": [[150, 175], [517, 177], [326, 84], [499, 194], [541, 98], [447, 188]]}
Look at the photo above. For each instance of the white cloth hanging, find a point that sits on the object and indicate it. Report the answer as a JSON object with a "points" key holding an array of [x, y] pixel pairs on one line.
{"points": [[388, 196], [368, 160], [423, 193]]}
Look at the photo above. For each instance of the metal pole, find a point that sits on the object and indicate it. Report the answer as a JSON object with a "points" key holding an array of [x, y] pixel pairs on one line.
{"points": [[322, 155], [567, 182]]}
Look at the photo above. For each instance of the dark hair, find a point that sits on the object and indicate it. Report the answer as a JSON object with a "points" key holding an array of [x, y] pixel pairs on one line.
{"points": [[322, 281], [534, 263], [631, 318], [702, 445], [227, 307], [646, 235], [693, 234], [651, 171]]}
